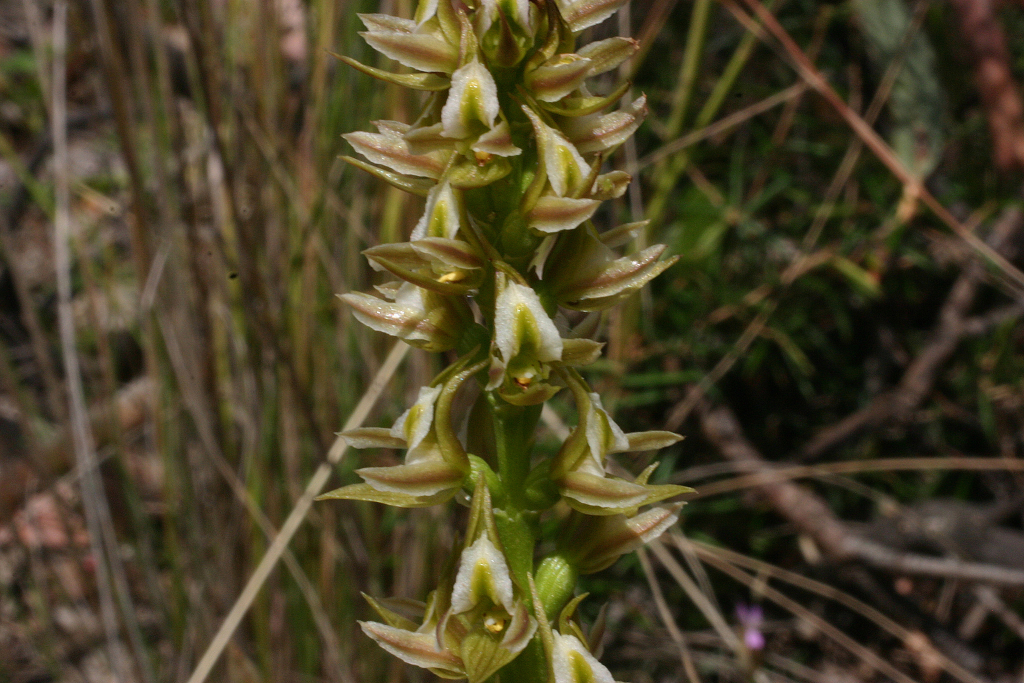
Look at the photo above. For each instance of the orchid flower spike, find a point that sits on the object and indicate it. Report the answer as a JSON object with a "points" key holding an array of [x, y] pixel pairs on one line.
{"points": [[509, 157]]}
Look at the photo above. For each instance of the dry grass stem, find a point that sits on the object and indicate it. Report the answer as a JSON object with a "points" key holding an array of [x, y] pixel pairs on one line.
{"points": [[295, 517]]}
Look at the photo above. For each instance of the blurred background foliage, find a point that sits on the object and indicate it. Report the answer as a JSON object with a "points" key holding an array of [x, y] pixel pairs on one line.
{"points": [[818, 301]]}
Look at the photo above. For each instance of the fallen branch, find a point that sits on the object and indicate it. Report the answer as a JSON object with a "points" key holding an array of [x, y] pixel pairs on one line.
{"points": [[814, 519], [954, 325]]}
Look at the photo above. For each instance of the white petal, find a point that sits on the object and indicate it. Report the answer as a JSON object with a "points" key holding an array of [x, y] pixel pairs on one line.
{"points": [[518, 307], [425, 11], [603, 435], [567, 171], [497, 141], [441, 216], [414, 424], [473, 97], [482, 570], [573, 663]]}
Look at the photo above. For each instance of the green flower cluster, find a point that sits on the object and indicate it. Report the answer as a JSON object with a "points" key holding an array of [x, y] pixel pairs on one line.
{"points": [[506, 269]]}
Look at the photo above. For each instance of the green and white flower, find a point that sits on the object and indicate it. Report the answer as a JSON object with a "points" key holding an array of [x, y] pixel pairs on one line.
{"points": [[507, 153]]}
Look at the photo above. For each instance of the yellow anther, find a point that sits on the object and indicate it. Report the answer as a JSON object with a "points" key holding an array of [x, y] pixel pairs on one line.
{"points": [[453, 276], [494, 624]]}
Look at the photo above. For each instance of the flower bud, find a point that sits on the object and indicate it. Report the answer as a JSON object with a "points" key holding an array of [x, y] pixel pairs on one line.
{"points": [[505, 30], [556, 580], [585, 275], [557, 78], [418, 316], [435, 465], [595, 543], [389, 148]]}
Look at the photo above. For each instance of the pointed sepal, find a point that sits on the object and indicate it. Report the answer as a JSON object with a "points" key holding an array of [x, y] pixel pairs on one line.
{"points": [[555, 214], [367, 493], [420, 81], [390, 149], [554, 80], [400, 40], [606, 539], [418, 649], [585, 105], [601, 133], [572, 662], [422, 318], [416, 186], [581, 14], [418, 480], [608, 54], [373, 437]]}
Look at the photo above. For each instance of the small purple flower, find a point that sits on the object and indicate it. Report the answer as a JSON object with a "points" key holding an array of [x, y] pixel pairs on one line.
{"points": [[750, 618]]}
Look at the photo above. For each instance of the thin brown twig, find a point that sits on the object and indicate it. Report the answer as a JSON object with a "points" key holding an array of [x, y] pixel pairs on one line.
{"points": [[200, 24], [49, 461], [993, 603], [767, 472], [701, 602], [654, 22], [913, 185], [806, 259], [720, 126], [693, 397]]}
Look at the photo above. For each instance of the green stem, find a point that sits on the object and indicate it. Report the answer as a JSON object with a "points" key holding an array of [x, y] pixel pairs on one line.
{"points": [[690, 66], [513, 432]]}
